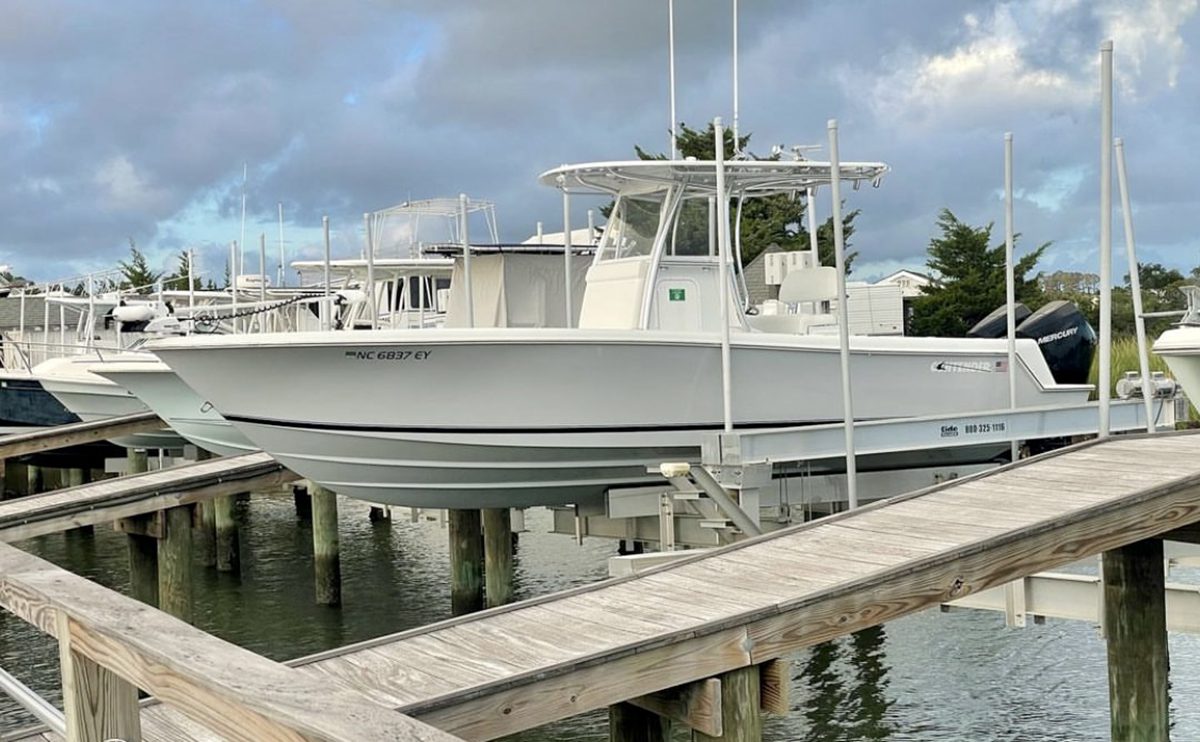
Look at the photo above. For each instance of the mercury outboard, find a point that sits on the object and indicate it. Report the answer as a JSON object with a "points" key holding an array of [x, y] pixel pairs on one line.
{"points": [[995, 325], [1066, 339]]}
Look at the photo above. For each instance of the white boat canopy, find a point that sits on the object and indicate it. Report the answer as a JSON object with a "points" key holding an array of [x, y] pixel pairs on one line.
{"points": [[743, 178]]}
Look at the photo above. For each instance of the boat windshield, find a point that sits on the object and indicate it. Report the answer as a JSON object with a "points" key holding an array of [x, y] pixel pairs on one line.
{"points": [[631, 227]]}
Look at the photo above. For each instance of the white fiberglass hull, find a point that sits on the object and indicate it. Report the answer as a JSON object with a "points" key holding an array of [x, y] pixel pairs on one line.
{"points": [[188, 414], [497, 417], [74, 384]]}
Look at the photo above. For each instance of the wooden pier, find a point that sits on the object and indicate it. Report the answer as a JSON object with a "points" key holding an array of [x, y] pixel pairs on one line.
{"points": [[657, 639], [77, 434], [123, 497]]}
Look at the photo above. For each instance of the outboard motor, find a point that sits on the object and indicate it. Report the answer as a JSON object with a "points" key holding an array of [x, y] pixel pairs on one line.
{"points": [[1066, 339], [995, 325]]}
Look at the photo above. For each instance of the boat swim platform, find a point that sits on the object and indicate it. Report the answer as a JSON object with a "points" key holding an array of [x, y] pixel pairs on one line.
{"points": [[109, 500], [520, 666], [77, 434]]}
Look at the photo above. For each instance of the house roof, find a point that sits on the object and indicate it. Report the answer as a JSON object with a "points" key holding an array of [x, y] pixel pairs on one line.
{"points": [[907, 272]]}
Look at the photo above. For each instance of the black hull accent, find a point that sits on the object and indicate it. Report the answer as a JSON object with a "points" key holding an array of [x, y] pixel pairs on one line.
{"points": [[24, 403]]}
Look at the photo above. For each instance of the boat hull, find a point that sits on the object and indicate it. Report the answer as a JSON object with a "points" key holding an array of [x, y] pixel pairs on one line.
{"points": [[445, 418], [186, 412]]}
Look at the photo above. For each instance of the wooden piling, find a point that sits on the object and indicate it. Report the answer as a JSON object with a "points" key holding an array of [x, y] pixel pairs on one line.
{"points": [[137, 461], [628, 723], [205, 537], [327, 566], [741, 716], [303, 503], [77, 477], [143, 567], [175, 563], [466, 561], [33, 479], [379, 515], [228, 543], [1135, 624], [498, 556]]}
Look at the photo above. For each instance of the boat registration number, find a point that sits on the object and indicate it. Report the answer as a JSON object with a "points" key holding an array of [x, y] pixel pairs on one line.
{"points": [[389, 355]]}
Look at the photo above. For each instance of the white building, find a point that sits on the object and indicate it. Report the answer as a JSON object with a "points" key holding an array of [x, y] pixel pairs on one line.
{"points": [[910, 282]]}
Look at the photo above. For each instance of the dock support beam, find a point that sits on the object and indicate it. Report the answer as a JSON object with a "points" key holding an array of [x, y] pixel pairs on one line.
{"points": [[206, 533], [741, 715], [628, 723], [466, 561], [498, 556], [327, 565], [228, 545], [1135, 624], [175, 563]]}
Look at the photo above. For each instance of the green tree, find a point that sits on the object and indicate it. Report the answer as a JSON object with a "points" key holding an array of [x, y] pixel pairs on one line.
{"points": [[179, 279], [971, 277], [774, 220], [136, 271]]}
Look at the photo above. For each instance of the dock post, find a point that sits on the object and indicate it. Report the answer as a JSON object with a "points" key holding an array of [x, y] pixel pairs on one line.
{"points": [[327, 565], [378, 514], [143, 548], [175, 563], [77, 477], [206, 533], [498, 556], [741, 711], [303, 502], [1135, 624], [466, 562], [137, 460], [228, 543], [628, 723], [33, 479]]}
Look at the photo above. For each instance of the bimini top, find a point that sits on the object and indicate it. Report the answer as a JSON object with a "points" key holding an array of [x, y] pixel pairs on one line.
{"points": [[742, 177]]}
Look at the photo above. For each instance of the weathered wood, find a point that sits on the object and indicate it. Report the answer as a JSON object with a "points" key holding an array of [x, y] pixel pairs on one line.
{"points": [[630, 723], [1135, 625], [110, 499], [150, 524], [498, 556], [137, 461], [466, 561], [143, 565], [175, 564], [76, 434], [303, 502], [33, 479], [740, 715], [227, 539], [775, 680], [327, 565], [98, 704], [233, 692], [77, 477], [696, 706], [205, 536]]}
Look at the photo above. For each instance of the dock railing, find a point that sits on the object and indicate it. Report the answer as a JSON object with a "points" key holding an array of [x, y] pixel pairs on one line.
{"points": [[111, 645]]}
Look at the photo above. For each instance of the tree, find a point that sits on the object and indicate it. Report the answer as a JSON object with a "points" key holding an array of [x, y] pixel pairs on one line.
{"points": [[179, 279], [774, 220], [136, 272], [971, 279]]}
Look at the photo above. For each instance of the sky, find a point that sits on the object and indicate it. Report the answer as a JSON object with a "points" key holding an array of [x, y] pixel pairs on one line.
{"points": [[136, 119]]}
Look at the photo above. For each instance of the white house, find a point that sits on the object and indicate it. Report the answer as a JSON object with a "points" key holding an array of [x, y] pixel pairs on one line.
{"points": [[910, 282]]}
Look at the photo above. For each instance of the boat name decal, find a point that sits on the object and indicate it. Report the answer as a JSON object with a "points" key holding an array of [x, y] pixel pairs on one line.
{"points": [[389, 355], [968, 367]]}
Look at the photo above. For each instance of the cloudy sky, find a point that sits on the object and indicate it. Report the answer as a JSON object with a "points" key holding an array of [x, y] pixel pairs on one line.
{"points": [[133, 119]]}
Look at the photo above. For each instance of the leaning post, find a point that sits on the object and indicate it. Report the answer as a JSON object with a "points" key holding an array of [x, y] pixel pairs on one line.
{"points": [[327, 567], [498, 556]]}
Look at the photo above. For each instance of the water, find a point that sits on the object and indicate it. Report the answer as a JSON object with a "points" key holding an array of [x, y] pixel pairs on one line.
{"points": [[930, 677]]}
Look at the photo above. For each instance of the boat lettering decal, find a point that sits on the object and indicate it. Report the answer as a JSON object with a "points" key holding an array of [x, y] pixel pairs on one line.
{"points": [[969, 367], [389, 355], [1058, 335]]}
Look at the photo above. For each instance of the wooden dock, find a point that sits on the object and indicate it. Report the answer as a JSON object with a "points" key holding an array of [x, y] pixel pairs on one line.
{"points": [[741, 608], [123, 497], [77, 434]]}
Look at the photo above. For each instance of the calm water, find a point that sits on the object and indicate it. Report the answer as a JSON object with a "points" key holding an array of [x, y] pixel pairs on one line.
{"points": [[933, 676]]}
